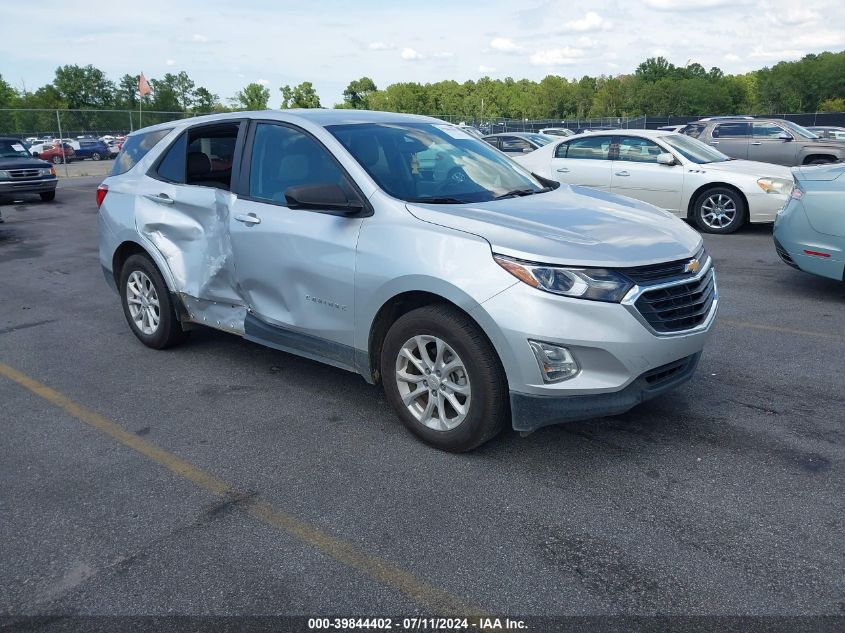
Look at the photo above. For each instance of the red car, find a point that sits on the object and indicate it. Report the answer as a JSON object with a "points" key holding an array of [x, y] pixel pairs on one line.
{"points": [[54, 154]]}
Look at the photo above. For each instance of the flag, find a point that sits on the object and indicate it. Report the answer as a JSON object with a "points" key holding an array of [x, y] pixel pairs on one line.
{"points": [[143, 86]]}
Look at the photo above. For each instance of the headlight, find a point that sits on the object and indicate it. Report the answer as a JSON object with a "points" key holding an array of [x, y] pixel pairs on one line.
{"points": [[5, 174], [598, 284], [775, 185], [47, 171]]}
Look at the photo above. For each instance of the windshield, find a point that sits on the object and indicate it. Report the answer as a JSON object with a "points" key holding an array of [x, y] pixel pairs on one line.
{"points": [[540, 139], [13, 149], [431, 162], [797, 129], [693, 149]]}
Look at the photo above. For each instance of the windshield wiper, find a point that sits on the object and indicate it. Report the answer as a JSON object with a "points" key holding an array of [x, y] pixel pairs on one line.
{"points": [[521, 192], [438, 200]]}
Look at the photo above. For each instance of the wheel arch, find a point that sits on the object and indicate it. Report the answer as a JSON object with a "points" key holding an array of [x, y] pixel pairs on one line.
{"points": [[717, 185], [126, 249], [818, 156], [400, 304]]}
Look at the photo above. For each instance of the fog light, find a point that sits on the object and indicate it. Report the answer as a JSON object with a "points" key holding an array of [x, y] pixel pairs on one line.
{"points": [[556, 362]]}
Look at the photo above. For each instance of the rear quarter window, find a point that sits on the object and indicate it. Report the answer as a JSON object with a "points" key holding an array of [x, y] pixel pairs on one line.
{"points": [[135, 148]]}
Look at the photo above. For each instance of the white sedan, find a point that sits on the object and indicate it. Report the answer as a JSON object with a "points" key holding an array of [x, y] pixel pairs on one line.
{"points": [[672, 171]]}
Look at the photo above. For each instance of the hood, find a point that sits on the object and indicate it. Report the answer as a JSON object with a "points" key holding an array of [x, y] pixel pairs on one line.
{"points": [[16, 162], [830, 171], [751, 168], [571, 226]]}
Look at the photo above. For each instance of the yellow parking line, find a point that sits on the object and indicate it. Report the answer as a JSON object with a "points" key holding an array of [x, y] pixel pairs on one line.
{"points": [[784, 330], [378, 569]]}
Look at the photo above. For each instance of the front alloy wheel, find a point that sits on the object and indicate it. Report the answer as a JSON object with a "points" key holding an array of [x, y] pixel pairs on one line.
{"points": [[433, 382], [719, 210]]}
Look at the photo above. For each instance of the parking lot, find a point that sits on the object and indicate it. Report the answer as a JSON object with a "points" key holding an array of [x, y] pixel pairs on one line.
{"points": [[222, 477]]}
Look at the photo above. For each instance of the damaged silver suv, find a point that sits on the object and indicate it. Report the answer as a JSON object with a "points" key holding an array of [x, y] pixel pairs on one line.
{"points": [[497, 298]]}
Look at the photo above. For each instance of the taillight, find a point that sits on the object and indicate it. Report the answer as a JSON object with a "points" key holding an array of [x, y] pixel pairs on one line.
{"points": [[796, 193], [102, 190]]}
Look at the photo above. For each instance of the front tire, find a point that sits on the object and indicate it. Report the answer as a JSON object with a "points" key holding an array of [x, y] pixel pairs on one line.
{"points": [[444, 379], [147, 306], [96, 156], [719, 210], [47, 196], [57, 160]]}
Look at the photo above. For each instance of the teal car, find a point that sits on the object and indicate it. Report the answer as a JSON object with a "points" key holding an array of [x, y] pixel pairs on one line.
{"points": [[809, 231]]}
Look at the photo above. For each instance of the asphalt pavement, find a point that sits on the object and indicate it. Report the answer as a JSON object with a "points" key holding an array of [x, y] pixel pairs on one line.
{"points": [[224, 478]]}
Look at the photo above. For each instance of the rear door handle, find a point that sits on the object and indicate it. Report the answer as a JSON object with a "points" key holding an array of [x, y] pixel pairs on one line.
{"points": [[622, 173], [563, 170], [756, 143], [248, 219], [161, 198], [714, 142]]}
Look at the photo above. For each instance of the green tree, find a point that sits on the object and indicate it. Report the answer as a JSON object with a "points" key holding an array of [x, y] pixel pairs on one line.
{"points": [[204, 101], [254, 96], [184, 88], [84, 87], [301, 96], [357, 93]]}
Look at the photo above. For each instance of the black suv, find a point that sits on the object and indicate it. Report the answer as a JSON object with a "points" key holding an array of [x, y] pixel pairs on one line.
{"points": [[21, 173]]}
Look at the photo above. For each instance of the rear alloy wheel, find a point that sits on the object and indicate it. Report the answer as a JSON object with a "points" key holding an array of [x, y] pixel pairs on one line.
{"points": [[719, 210], [444, 379], [147, 305], [96, 156]]}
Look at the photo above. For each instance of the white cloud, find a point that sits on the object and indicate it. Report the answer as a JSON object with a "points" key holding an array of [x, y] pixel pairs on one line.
{"points": [[732, 57], [170, 62], [691, 5], [660, 52], [776, 55], [410, 55], [381, 46], [444, 55], [794, 16], [591, 21], [505, 45], [556, 57], [486, 69], [196, 37], [262, 82]]}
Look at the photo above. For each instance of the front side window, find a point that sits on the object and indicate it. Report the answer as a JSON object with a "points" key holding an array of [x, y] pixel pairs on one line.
{"points": [[467, 170], [283, 157], [694, 130], [731, 130], [515, 145], [589, 148], [135, 148], [766, 130], [638, 150]]}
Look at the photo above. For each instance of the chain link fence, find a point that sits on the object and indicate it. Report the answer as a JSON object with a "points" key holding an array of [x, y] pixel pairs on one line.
{"points": [[49, 123]]}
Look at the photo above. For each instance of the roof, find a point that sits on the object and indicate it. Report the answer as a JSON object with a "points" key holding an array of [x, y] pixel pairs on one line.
{"points": [[633, 132], [517, 134], [315, 116]]}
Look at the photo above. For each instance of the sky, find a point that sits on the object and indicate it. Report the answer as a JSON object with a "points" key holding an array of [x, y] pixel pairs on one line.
{"points": [[224, 45]]}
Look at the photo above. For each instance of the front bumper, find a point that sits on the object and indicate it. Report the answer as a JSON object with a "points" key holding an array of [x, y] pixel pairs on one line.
{"points": [[530, 412], [36, 185], [616, 351]]}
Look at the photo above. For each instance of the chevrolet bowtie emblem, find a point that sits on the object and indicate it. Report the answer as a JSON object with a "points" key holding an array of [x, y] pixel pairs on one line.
{"points": [[692, 266]]}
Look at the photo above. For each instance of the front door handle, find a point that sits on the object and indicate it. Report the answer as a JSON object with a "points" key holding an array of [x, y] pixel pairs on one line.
{"points": [[756, 143], [563, 170], [249, 218], [714, 142], [161, 198], [622, 173]]}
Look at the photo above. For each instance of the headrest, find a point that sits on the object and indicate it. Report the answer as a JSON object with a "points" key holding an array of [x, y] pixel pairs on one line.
{"points": [[199, 164]]}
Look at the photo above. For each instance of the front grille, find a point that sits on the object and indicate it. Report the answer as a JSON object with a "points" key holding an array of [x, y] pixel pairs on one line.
{"points": [[23, 173], [666, 271], [679, 307], [664, 373]]}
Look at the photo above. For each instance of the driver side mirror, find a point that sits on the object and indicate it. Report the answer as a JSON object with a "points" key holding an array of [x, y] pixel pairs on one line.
{"points": [[326, 197], [785, 136], [665, 159], [527, 150]]}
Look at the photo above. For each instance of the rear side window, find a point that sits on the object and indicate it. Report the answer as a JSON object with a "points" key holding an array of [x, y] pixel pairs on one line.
{"points": [[134, 149], [731, 130], [514, 144], [172, 165], [589, 148]]}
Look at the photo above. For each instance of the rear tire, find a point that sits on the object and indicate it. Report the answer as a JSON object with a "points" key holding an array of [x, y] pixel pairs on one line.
{"points": [[147, 306], [47, 196], [472, 389], [57, 160], [819, 161], [96, 156], [719, 210]]}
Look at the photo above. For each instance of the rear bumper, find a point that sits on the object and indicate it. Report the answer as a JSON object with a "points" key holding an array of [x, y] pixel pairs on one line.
{"points": [[531, 412], [40, 185], [793, 237]]}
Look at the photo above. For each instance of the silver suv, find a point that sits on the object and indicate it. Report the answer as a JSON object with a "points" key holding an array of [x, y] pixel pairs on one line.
{"points": [[494, 299], [766, 140]]}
